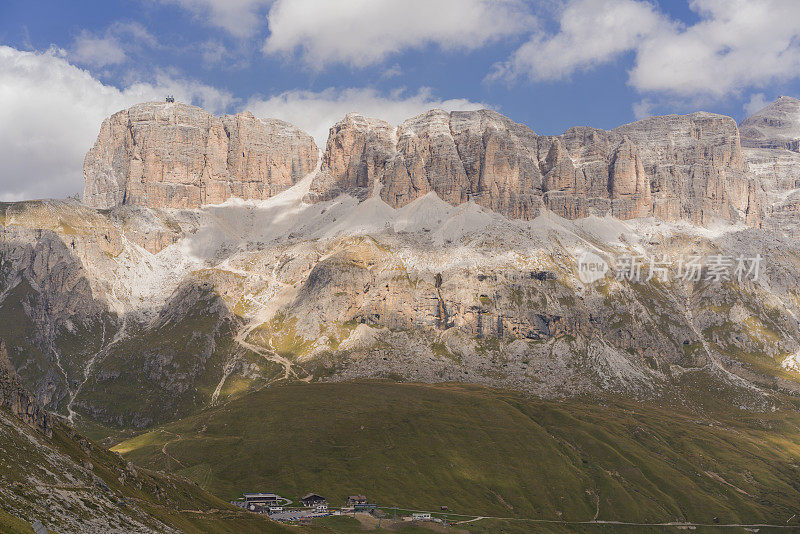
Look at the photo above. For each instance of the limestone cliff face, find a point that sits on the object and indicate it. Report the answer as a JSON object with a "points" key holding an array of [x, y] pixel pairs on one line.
{"points": [[18, 401], [166, 155], [771, 138], [696, 167], [170, 155], [357, 153], [775, 126], [675, 167]]}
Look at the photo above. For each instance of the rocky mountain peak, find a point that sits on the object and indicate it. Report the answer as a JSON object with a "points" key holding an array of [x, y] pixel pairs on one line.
{"points": [[775, 126], [675, 167], [172, 155]]}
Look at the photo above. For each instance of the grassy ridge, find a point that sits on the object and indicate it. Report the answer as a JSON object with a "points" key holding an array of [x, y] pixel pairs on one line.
{"points": [[487, 452]]}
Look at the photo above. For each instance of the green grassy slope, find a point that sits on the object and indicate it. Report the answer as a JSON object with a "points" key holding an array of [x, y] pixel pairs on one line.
{"points": [[27, 456], [13, 525], [487, 452], [168, 370]]}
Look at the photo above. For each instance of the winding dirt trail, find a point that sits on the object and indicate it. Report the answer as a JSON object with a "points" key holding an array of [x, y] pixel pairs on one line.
{"points": [[281, 295], [269, 354], [176, 439]]}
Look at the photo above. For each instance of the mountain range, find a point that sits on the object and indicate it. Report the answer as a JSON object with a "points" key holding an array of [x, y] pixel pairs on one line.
{"points": [[213, 257]]}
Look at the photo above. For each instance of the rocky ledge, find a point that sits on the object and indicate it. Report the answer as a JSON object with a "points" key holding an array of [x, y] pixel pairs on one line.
{"points": [[171, 155]]}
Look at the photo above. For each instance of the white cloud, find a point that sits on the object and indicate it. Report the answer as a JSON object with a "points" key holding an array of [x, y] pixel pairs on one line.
{"points": [[51, 112], [642, 109], [365, 32], [316, 112], [756, 103], [393, 71], [213, 52], [110, 47], [591, 33], [240, 18], [135, 32], [97, 51], [735, 45]]}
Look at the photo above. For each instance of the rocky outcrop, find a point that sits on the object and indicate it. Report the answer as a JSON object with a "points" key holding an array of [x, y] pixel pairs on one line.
{"points": [[15, 398], [357, 153], [696, 168], [775, 126], [339, 290], [771, 138], [171, 155], [675, 167], [55, 315]]}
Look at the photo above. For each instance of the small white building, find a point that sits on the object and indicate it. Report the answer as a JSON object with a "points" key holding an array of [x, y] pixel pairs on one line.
{"points": [[323, 507], [421, 516]]}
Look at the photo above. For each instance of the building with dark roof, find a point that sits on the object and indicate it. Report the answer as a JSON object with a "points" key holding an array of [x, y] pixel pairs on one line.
{"points": [[261, 499], [313, 500]]}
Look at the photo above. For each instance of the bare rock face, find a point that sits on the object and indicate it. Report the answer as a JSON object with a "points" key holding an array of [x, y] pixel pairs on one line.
{"points": [[696, 167], [775, 126], [166, 155], [771, 139], [357, 152], [18, 401], [675, 167], [171, 155]]}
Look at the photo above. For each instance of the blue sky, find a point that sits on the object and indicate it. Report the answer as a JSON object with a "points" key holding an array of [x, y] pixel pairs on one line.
{"points": [[549, 64]]}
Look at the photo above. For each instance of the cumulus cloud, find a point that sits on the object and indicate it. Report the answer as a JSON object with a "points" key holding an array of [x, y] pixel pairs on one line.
{"points": [[240, 18], [642, 109], [111, 46], [591, 33], [52, 112], [316, 112], [365, 32], [97, 51], [734, 45], [756, 103]]}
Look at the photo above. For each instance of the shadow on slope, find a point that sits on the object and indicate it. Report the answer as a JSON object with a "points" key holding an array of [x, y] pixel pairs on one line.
{"points": [[487, 452]]}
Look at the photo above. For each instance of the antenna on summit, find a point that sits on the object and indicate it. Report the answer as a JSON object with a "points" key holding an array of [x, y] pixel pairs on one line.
{"points": [[170, 99]]}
